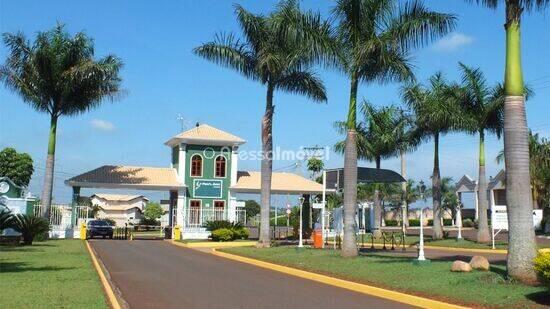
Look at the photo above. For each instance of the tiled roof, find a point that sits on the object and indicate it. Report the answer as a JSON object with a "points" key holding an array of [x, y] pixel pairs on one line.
{"points": [[250, 182], [205, 134], [118, 197], [111, 176]]}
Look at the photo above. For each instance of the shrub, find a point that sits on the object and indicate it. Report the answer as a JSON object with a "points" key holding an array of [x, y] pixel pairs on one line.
{"points": [[414, 222], [222, 224], [447, 222], [222, 235], [30, 227], [6, 219], [241, 233], [147, 221], [391, 222], [467, 223], [542, 267]]}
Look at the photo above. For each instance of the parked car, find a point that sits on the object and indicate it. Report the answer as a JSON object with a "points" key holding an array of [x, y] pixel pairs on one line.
{"points": [[99, 228]]}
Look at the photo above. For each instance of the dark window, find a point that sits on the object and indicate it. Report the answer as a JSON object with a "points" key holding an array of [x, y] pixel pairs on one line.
{"points": [[196, 165], [220, 166]]}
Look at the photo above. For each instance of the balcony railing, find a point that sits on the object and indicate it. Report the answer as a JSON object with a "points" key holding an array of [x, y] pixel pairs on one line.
{"points": [[196, 218]]}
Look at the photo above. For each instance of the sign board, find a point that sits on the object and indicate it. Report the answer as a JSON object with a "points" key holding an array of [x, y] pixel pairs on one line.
{"points": [[499, 218], [209, 188], [239, 204], [317, 205]]}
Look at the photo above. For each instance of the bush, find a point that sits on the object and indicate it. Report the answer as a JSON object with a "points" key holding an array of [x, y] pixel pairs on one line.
{"points": [[391, 222], [30, 227], [147, 221], [414, 222], [240, 233], [447, 222], [222, 224], [542, 267], [468, 223], [222, 235]]}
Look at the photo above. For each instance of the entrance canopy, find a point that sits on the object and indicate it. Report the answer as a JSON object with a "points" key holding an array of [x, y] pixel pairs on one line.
{"points": [[335, 177], [281, 183], [128, 177]]}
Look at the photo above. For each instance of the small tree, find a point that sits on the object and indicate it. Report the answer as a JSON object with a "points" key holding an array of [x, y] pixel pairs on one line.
{"points": [[315, 166], [153, 211], [252, 208], [16, 166]]}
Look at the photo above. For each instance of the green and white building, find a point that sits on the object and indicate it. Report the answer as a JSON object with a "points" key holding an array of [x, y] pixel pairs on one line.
{"points": [[203, 180]]}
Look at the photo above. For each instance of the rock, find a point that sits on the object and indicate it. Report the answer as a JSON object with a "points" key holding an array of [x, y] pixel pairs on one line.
{"points": [[460, 266], [479, 263]]}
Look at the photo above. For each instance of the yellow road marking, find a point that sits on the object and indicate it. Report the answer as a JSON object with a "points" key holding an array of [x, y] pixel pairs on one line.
{"points": [[344, 284], [106, 286]]}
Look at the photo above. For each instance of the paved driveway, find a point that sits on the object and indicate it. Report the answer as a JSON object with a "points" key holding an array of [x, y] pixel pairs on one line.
{"points": [[156, 274]]}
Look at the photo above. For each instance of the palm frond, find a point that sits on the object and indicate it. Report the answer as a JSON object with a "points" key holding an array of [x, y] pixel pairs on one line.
{"points": [[304, 83]]}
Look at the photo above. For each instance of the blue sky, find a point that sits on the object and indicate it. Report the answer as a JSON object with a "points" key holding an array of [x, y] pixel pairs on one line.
{"points": [[162, 79]]}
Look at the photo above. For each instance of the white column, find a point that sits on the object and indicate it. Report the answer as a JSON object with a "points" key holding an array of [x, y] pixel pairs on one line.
{"points": [[180, 203], [234, 165], [232, 208], [182, 162], [323, 209]]}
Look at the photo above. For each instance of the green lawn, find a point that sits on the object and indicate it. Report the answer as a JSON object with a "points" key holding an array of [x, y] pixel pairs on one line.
{"points": [[434, 280], [51, 274]]}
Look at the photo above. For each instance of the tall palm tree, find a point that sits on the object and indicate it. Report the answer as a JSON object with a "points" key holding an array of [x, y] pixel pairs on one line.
{"points": [[485, 111], [277, 51], [374, 39], [58, 75], [437, 113], [376, 140], [522, 247], [407, 140]]}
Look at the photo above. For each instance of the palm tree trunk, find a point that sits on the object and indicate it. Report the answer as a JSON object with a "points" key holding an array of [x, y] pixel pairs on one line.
{"points": [[267, 167], [437, 232], [483, 226], [349, 244], [404, 206], [48, 174], [377, 206], [522, 248]]}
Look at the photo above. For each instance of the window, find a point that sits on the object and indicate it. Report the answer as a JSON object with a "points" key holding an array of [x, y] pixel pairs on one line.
{"points": [[218, 210], [220, 166], [194, 212], [196, 166]]}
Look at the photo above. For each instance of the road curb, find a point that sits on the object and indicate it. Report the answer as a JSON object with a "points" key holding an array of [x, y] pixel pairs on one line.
{"points": [[113, 301], [214, 244], [494, 251], [344, 284]]}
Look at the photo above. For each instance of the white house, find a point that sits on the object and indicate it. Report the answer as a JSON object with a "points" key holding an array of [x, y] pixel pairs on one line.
{"points": [[120, 208]]}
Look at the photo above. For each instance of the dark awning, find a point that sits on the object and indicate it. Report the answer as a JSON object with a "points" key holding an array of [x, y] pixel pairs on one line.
{"points": [[335, 177]]}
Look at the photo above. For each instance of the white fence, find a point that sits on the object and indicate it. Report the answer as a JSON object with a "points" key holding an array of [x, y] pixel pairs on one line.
{"points": [[197, 217], [62, 222]]}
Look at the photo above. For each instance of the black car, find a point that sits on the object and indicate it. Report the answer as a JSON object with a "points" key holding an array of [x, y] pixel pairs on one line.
{"points": [[99, 228]]}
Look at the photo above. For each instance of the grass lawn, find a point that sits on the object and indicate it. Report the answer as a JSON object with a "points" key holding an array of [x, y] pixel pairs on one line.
{"points": [[51, 274], [434, 280]]}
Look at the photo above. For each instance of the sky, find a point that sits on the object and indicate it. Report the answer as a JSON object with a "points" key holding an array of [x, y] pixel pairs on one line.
{"points": [[163, 79]]}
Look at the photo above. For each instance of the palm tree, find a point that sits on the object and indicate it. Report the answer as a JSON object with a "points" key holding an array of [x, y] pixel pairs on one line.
{"points": [[522, 247], [485, 110], [437, 113], [276, 50], [374, 39], [376, 140], [58, 75]]}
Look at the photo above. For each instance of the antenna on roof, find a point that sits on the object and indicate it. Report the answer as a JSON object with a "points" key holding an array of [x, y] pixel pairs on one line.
{"points": [[182, 120]]}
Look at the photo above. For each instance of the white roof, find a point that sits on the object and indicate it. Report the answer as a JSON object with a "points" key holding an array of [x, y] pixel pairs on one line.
{"points": [[206, 135], [119, 197], [281, 183]]}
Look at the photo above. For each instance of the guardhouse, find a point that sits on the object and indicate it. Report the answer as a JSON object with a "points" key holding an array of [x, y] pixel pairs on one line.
{"points": [[203, 180]]}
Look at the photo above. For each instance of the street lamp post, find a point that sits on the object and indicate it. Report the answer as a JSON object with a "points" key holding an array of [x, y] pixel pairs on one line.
{"points": [[300, 240], [421, 257]]}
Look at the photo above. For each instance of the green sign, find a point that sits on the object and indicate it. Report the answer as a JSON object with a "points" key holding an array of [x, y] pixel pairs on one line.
{"points": [[207, 188]]}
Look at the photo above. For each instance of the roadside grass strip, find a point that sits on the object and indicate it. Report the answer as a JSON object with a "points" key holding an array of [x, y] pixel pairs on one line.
{"points": [[50, 274], [411, 284]]}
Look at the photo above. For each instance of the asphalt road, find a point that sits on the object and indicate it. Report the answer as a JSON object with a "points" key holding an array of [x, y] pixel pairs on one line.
{"points": [[156, 274]]}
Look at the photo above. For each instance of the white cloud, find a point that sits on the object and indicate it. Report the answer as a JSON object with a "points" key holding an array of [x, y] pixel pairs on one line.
{"points": [[453, 42], [102, 125]]}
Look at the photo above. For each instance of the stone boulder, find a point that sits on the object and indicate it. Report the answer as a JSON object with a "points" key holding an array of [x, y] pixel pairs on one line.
{"points": [[460, 266], [479, 263]]}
